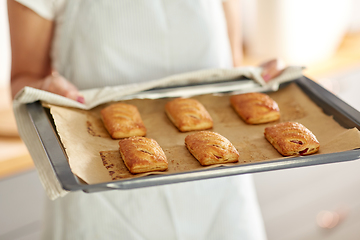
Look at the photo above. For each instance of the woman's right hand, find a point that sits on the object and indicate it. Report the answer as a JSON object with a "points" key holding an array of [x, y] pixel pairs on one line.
{"points": [[55, 83]]}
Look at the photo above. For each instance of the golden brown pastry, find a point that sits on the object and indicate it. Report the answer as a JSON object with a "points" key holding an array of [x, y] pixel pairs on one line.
{"points": [[188, 114], [292, 138], [123, 120], [211, 148], [141, 154], [255, 108]]}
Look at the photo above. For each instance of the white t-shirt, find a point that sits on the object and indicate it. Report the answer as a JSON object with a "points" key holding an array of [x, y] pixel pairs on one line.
{"points": [[101, 43]]}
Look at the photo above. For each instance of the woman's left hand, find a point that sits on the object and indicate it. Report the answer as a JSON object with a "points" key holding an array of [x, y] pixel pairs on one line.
{"points": [[272, 69]]}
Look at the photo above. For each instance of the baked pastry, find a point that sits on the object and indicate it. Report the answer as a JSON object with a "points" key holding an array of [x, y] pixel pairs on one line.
{"points": [[123, 120], [255, 108], [188, 114], [211, 148], [292, 138], [141, 154]]}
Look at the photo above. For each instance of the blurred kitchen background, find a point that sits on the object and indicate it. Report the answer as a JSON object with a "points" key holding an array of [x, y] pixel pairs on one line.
{"points": [[321, 202]]}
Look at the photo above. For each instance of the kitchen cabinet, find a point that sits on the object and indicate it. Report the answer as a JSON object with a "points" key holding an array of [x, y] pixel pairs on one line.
{"points": [[21, 206], [292, 201]]}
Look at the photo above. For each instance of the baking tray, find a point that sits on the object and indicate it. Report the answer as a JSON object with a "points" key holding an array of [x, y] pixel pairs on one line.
{"points": [[344, 114]]}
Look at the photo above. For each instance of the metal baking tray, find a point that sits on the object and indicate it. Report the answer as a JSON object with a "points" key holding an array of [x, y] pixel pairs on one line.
{"points": [[344, 114]]}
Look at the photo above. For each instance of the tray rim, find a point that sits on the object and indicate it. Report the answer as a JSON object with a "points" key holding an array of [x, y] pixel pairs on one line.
{"points": [[343, 113]]}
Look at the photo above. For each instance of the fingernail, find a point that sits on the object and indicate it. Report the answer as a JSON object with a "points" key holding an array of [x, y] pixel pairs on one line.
{"points": [[266, 77], [80, 99]]}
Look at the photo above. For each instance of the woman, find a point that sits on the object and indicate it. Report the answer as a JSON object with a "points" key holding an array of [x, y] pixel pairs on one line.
{"points": [[62, 46]]}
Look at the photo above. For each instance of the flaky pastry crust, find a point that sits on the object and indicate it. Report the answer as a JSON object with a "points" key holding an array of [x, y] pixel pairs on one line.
{"points": [[123, 120], [255, 108], [188, 114], [141, 154], [291, 139], [211, 148]]}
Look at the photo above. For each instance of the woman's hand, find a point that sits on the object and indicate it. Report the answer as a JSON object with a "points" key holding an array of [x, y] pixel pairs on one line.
{"points": [[54, 83], [57, 84], [272, 69]]}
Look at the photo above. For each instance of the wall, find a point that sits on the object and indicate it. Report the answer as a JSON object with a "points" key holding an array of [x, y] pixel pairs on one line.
{"points": [[301, 32]]}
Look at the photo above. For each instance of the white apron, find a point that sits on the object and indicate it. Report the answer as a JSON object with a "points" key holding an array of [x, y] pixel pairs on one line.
{"points": [[110, 42]]}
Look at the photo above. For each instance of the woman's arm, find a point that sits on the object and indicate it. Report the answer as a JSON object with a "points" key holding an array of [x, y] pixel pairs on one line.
{"points": [[233, 20], [31, 38], [272, 68]]}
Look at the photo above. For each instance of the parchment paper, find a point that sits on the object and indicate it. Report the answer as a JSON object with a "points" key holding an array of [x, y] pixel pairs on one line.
{"points": [[94, 157]]}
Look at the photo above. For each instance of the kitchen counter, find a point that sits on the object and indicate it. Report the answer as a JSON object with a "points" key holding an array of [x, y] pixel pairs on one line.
{"points": [[346, 57], [14, 157]]}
